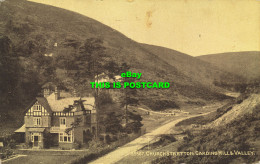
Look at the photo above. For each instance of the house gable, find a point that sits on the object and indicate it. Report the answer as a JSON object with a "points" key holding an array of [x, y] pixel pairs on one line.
{"points": [[37, 109]]}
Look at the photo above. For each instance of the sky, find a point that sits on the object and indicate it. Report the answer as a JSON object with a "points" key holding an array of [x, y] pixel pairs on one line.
{"points": [[194, 27]]}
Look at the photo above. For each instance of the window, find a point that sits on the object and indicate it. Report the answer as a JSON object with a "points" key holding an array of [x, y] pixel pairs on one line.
{"points": [[63, 121], [37, 120], [64, 137], [61, 137], [37, 107]]}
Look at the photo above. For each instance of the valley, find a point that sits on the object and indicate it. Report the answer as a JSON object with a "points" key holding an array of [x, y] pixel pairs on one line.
{"points": [[170, 101], [158, 126], [169, 138]]}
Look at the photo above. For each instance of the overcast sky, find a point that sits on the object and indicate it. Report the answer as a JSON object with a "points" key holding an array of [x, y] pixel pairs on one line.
{"points": [[195, 27]]}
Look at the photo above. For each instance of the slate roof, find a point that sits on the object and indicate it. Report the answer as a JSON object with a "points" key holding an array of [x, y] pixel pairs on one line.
{"points": [[44, 103], [65, 102], [89, 102], [30, 105], [21, 129]]}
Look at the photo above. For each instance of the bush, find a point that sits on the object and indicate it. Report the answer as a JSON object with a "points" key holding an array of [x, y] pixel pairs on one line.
{"points": [[77, 145], [5, 153], [98, 149], [108, 139], [11, 143], [158, 105], [133, 127], [95, 144]]}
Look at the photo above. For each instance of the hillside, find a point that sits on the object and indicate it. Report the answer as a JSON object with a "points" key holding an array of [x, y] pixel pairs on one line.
{"points": [[233, 128], [41, 43], [237, 111], [192, 67], [245, 64]]}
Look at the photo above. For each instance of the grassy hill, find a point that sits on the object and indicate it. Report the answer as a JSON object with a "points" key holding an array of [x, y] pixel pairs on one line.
{"points": [[232, 128], [245, 64], [29, 30], [192, 67]]}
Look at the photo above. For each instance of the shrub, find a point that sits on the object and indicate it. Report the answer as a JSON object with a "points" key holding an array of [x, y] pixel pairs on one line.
{"points": [[108, 139], [133, 127], [5, 153], [160, 104], [77, 145]]}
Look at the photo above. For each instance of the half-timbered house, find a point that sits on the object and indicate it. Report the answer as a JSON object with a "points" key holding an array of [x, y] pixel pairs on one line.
{"points": [[59, 119]]}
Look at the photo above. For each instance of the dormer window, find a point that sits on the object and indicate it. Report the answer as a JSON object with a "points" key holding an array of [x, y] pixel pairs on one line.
{"points": [[37, 107]]}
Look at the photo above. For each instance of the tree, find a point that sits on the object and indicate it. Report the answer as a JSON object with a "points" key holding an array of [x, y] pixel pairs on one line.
{"points": [[135, 125], [105, 98], [89, 60], [112, 123], [130, 94], [9, 68], [92, 53], [112, 69], [75, 124]]}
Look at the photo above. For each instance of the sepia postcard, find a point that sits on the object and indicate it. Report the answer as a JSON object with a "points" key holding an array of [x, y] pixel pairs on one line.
{"points": [[129, 81]]}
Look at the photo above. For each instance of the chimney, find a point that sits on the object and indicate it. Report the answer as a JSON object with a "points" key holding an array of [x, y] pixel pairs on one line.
{"points": [[77, 104], [46, 92], [74, 93], [57, 93]]}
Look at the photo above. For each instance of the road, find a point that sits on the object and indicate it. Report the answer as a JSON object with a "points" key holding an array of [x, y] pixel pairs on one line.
{"points": [[138, 143], [153, 112]]}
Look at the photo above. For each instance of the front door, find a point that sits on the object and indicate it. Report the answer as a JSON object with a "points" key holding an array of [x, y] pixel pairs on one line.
{"points": [[36, 141]]}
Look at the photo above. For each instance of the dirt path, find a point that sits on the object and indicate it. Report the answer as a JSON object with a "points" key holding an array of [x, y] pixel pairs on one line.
{"points": [[153, 112], [138, 143]]}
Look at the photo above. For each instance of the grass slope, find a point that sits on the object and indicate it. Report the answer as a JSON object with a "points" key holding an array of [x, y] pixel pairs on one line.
{"points": [[245, 64], [240, 133], [192, 67]]}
